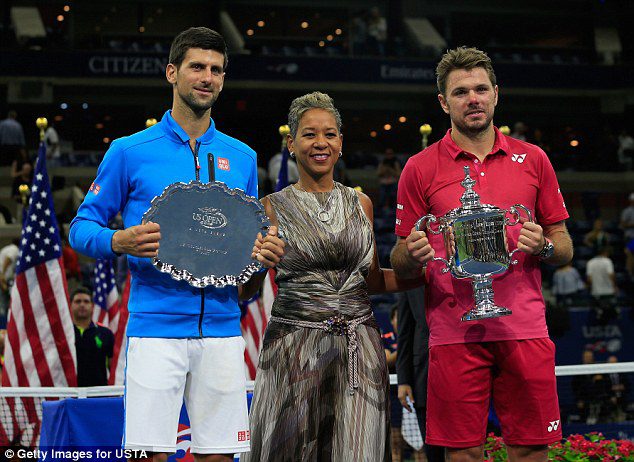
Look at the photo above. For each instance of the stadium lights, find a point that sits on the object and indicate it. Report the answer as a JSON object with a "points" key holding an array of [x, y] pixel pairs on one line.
{"points": [[250, 32], [322, 43], [66, 8], [387, 127], [106, 140], [338, 31], [60, 18], [329, 37], [372, 134], [261, 23], [574, 143], [402, 119], [304, 25], [141, 29], [63, 106]]}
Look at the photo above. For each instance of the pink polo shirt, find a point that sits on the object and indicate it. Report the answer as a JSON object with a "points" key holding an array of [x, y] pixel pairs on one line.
{"points": [[514, 172]]}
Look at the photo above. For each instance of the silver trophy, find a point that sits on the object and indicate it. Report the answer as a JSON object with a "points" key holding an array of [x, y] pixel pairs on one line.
{"points": [[476, 245]]}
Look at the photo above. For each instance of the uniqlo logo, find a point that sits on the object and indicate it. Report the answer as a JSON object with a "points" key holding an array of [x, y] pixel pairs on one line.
{"points": [[244, 435], [95, 188], [223, 164]]}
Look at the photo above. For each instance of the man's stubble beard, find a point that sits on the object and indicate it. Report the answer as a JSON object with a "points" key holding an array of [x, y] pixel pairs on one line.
{"points": [[472, 131], [197, 108]]}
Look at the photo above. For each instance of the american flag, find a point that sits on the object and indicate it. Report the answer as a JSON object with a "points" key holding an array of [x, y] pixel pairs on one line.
{"points": [[40, 340], [105, 293], [118, 326], [257, 312], [111, 312], [40, 351]]}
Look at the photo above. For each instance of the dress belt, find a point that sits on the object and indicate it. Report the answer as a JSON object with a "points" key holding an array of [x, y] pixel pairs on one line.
{"points": [[337, 325]]}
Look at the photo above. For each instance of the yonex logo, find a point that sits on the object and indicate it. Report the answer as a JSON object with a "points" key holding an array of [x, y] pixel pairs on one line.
{"points": [[554, 425], [519, 158]]}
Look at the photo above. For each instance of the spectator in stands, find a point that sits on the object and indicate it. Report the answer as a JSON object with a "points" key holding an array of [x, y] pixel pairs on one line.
{"points": [[567, 283], [8, 259], [627, 225], [619, 389], [519, 131], [388, 171], [359, 36], [602, 284], [53, 150], [597, 238], [497, 354], [5, 215], [625, 151], [590, 392], [274, 169], [12, 143], [21, 172], [377, 32], [71, 260], [94, 343]]}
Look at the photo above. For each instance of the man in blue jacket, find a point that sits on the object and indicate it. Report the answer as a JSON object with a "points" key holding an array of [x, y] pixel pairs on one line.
{"points": [[183, 342]]}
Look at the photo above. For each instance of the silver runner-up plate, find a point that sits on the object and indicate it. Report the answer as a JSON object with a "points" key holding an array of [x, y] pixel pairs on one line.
{"points": [[207, 233]]}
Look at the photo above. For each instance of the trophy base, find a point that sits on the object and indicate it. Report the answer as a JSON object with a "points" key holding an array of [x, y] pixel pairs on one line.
{"points": [[485, 312]]}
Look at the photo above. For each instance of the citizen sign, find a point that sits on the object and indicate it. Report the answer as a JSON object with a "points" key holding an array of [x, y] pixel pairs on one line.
{"points": [[127, 65]]}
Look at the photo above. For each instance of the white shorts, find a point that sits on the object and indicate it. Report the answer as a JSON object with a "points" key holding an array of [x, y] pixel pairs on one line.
{"points": [[209, 373]]}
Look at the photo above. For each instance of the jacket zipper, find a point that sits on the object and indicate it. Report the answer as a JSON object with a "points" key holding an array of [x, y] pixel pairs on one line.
{"points": [[202, 290]]}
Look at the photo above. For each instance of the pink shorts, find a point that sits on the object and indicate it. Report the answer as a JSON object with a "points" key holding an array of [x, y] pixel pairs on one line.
{"points": [[520, 374]]}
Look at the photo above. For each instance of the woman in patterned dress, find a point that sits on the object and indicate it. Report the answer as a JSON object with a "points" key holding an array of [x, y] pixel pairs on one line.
{"points": [[321, 391]]}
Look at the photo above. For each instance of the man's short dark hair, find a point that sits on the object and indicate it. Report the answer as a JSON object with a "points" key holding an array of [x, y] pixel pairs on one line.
{"points": [[81, 290], [197, 37], [462, 58]]}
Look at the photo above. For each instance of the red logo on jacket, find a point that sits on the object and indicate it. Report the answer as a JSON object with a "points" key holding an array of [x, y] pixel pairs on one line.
{"points": [[223, 164]]}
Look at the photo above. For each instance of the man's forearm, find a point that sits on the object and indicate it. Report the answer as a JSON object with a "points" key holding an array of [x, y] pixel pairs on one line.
{"points": [[563, 248]]}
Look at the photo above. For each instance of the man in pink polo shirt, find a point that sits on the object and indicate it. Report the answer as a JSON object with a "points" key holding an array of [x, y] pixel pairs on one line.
{"points": [[509, 359]]}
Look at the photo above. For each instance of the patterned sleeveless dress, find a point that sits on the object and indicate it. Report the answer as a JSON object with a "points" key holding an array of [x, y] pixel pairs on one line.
{"points": [[303, 409]]}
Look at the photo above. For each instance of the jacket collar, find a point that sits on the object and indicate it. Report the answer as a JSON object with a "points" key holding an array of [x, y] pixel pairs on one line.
{"points": [[176, 132]]}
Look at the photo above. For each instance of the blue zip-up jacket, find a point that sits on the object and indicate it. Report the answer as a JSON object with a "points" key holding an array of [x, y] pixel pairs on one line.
{"points": [[135, 170]]}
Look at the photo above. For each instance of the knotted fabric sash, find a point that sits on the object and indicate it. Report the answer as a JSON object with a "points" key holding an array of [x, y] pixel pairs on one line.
{"points": [[337, 325]]}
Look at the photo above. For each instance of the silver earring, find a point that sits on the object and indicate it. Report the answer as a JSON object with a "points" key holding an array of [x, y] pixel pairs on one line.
{"points": [[292, 154], [340, 153]]}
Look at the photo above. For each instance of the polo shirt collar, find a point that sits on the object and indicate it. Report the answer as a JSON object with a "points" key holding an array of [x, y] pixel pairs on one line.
{"points": [[175, 131], [500, 144]]}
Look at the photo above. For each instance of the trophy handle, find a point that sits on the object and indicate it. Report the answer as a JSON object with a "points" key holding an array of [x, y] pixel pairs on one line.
{"points": [[516, 214], [513, 210], [423, 225]]}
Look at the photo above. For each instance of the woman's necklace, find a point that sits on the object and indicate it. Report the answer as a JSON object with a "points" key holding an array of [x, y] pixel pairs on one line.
{"points": [[324, 210]]}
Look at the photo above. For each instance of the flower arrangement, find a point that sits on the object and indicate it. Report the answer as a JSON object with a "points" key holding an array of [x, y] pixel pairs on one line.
{"points": [[590, 447]]}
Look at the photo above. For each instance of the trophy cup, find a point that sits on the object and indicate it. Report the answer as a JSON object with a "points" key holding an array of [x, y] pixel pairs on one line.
{"points": [[475, 240]]}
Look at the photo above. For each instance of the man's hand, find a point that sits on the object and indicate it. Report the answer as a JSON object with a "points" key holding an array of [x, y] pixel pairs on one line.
{"points": [[138, 241], [418, 247], [405, 391], [531, 239], [268, 249]]}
